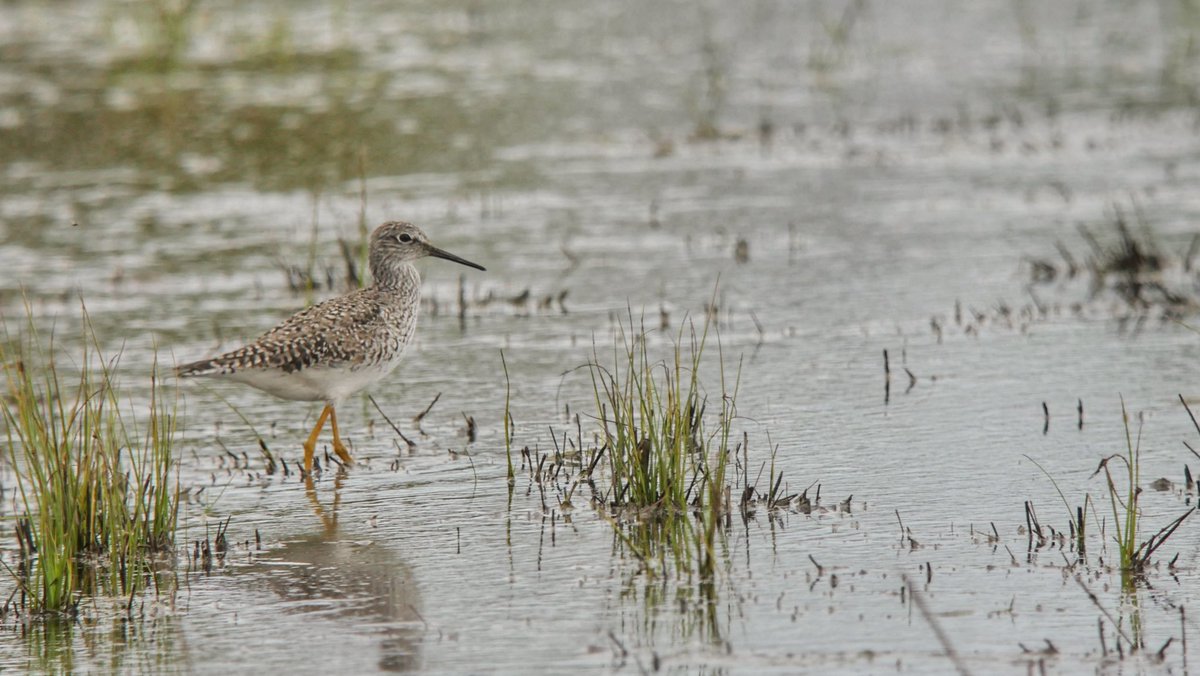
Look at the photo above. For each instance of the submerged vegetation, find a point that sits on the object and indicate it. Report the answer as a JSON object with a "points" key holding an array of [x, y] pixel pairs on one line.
{"points": [[98, 485]]}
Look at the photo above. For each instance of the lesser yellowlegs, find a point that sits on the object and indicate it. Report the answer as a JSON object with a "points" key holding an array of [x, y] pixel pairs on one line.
{"points": [[336, 348]]}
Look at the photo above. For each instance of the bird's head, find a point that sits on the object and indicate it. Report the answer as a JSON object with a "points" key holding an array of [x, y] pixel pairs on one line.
{"points": [[398, 242]]}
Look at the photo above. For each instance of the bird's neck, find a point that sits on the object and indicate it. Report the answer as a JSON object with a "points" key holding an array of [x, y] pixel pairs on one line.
{"points": [[396, 277]]}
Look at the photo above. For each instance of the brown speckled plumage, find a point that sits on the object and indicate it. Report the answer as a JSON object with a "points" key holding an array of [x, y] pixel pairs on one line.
{"points": [[335, 348], [365, 328]]}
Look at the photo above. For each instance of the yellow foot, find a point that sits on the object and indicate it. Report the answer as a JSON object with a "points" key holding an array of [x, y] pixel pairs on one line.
{"points": [[343, 453], [308, 460]]}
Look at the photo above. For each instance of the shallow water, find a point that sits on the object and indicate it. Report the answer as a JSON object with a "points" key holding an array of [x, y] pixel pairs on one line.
{"points": [[881, 163]]}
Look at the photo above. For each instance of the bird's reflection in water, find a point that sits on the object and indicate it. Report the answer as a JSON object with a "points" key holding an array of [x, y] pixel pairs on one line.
{"points": [[353, 580]]}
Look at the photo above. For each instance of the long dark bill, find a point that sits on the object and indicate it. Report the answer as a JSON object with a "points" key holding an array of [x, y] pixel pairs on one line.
{"points": [[438, 253]]}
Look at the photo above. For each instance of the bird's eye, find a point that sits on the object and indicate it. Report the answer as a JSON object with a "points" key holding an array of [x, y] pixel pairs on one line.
{"points": [[405, 238]]}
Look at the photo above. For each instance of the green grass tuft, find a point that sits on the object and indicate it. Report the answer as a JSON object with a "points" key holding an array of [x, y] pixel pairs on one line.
{"points": [[666, 458], [98, 486], [1135, 554], [1124, 494]]}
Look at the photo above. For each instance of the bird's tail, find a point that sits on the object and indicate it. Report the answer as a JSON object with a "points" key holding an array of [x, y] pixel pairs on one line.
{"points": [[249, 356], [205, 367]]}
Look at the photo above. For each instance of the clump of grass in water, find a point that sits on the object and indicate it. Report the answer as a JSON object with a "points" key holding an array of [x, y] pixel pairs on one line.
{"points": [[664, 461], [1132, 263], [1124, 494], [1134, 553], [99, 489], [657, 467], [1135, 556]]}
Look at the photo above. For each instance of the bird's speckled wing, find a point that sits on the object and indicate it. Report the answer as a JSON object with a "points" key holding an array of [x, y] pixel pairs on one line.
{"points": [[335, 333]]}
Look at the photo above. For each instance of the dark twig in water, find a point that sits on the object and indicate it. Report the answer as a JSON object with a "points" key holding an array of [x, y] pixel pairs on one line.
{"points": [[462, 300], [1050, 649], [391, 424], [421, 416], [1183, 636], [617, 642], [758, 327], [1080, 409], [1012, 557], [1103, 643], [1194, 423], [1046, 417], [938, 632], [820, 569], [470, 431], [222, 544], [887, 378], [1141, 556], [267, 454], [1033, 526], [1194, 451], [905, 532], [1162, 651]]}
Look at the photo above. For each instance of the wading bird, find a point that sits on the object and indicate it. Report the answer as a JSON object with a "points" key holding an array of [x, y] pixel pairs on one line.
{"points": [[333, 349]]}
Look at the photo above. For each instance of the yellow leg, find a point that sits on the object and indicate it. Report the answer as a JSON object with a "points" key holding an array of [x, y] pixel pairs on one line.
{"points": [[338, 446], [310, 446]]}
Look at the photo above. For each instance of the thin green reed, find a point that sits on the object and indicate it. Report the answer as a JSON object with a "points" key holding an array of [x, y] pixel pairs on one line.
{"points": [[508, 426]]}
